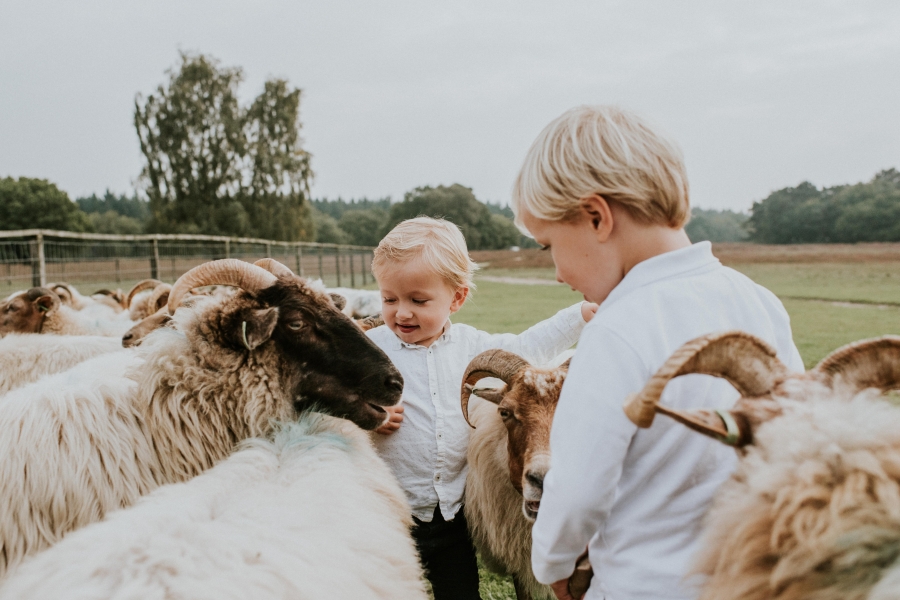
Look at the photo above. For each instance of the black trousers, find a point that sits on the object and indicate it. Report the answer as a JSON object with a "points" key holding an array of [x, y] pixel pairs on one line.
{"points": [[448, 556]]}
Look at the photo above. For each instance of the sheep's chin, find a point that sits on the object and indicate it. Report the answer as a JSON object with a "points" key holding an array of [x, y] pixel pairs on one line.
{"points": [[530, 509]]}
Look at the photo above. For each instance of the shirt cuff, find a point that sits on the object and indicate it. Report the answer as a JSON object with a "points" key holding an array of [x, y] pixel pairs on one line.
{"points": [[548, 573]]}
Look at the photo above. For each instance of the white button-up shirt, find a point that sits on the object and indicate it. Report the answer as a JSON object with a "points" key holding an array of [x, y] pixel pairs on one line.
{"points": [[637, 497], [428, 452]]}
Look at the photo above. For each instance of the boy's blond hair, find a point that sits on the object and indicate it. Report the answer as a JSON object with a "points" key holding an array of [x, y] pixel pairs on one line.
{"points": [[610, 152], [438, 243]]}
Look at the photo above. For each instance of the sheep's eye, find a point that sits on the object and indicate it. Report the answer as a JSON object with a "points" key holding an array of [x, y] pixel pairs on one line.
{"points": [[295, 325], [504, 413]]}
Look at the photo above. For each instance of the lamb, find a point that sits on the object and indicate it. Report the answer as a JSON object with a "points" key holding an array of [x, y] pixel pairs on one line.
{"points": [[25, 358], [813, 509], [179, 404], [508, 456], [313, 514], [40, 310]]}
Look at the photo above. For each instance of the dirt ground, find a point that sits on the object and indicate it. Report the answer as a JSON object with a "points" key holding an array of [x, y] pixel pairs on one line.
{"points": [[729, 254]]}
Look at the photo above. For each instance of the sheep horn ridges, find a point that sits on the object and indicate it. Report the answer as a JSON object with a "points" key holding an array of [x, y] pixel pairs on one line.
{"points": [[745, 361], [139, 287], [501, 364], [274, 267], [227, 271], [873, 363]]}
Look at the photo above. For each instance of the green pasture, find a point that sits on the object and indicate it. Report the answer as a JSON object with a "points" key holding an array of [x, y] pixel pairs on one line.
{"points": [[829, 304]]}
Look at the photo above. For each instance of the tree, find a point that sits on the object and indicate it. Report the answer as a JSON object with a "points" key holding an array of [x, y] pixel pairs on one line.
{"points": [[716, 226], [363, 226], [457, 204], [38, 204], [215, 167]]}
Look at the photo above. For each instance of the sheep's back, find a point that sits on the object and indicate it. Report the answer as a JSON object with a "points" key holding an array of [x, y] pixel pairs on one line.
{"points": [[72, 450], [315, 514], [25, 358]]}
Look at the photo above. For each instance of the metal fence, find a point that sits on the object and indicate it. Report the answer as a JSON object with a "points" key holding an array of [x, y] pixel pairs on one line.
{"points": [[31, 258]]}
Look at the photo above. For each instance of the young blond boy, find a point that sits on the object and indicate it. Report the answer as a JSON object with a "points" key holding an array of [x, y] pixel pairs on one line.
{"points": [[608, 195], [424, 273]]}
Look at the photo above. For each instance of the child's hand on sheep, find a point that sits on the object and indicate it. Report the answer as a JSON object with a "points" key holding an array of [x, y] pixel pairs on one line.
{"points": [[395, 417], [588, 310]]}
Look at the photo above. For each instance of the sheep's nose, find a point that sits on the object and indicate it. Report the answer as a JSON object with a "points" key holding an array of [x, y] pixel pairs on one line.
{"points": [[535, 479], [394, 383]]}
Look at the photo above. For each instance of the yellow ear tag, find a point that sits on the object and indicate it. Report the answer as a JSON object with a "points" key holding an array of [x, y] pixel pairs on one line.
{"points": [[731, 426], [244, 331]]}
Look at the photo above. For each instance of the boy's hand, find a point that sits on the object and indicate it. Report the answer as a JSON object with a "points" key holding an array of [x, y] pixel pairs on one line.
{"points": [[395, 417], [588, 310]]}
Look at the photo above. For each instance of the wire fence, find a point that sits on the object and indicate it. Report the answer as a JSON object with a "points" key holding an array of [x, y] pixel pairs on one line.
{"points": [[34, 257]]}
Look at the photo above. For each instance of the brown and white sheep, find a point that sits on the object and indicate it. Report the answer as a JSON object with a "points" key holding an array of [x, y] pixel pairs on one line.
{"points": [[508, 456], [181, 402], [813, 509], [40, 310]]}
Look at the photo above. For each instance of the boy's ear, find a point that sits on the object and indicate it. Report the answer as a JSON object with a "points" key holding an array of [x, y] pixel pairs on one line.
{"points": [[596, 209], [459, 298]]}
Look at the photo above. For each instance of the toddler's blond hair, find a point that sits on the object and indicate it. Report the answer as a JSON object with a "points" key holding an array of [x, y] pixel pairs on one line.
{"points": [[610, 152], [438, 243]]}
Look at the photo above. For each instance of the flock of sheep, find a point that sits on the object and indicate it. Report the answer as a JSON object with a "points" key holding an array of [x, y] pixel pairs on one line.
{"points": [[206, 440]]}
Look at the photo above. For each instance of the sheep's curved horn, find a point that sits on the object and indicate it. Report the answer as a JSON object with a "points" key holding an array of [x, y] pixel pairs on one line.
{"points": [[227, 271], [274, 267], [501, 364], [139, 287], [159, 296], [745, 361], [873, 363]]}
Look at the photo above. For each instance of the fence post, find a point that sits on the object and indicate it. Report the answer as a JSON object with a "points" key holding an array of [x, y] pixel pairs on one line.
{"points": [[39, 266], [363, 269], [352, 272], [321, 273], [299, 260], [227, 248], [337, 264], [118, 273], [154, 260], [268, 250]]}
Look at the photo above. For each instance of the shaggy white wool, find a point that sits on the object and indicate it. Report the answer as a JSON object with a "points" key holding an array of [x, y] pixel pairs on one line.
{"points": [[93, 320], [25, 358], [500, 531], [813, 510], [316, 514], [73, 448]]}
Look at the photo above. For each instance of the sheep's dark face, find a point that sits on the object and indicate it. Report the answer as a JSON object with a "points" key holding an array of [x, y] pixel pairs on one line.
{"points": [[527, 408], [331, 363], [25, 312]]}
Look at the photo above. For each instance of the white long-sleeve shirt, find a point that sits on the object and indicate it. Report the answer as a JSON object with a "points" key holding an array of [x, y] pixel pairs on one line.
{"points": [[428, 452], [637, 497]]}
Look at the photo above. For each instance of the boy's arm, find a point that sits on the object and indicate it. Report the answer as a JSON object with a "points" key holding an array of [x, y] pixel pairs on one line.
{"points": [[541, 343], [588, 442]]}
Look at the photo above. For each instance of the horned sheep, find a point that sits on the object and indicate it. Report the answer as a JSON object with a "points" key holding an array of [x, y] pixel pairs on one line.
{"points": [[813, 509], [181, 402], [40, 310], [508, 456], [313, 514]]}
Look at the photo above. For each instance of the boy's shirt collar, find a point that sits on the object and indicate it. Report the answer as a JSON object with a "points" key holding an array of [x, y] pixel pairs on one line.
{"points": [[676, 263]]}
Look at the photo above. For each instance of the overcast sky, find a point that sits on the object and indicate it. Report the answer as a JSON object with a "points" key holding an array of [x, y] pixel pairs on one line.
{"points": [[398, 94]]}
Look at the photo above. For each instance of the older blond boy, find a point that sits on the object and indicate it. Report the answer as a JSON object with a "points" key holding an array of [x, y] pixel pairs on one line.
{"points": [[425, 274], [608, 194]]}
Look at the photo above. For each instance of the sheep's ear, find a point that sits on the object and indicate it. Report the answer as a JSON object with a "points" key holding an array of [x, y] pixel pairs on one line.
{"points": [[47, 303], [494, 395], [338, 300], [257, 326]]}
